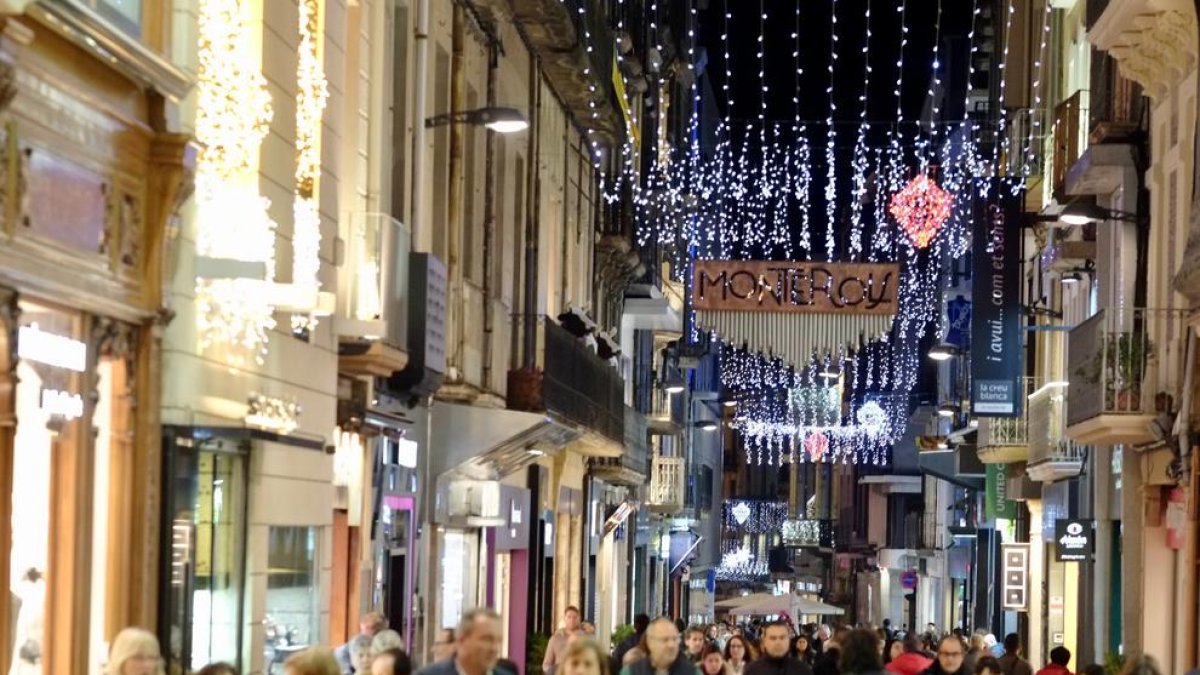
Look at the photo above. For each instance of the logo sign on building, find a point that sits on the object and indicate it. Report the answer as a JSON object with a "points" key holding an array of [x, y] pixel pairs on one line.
{"points": [[996, 304], [1016, 576], [908, 579], [1073, 540], [795, 287], [997, 504]]}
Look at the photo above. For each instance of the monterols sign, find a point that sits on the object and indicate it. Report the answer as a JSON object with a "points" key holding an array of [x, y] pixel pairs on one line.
{"points": [[996, 304], [1073, 540], [829, 288]]}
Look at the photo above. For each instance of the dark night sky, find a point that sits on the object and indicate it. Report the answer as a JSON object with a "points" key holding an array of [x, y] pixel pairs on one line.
{"points": [[815, 53]]}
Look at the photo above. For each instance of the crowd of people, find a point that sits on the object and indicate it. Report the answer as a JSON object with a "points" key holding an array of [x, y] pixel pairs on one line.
{"points": [[660, 646]]}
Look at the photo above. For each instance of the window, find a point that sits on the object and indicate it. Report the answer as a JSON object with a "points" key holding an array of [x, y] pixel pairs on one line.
{"points": [[293, 609], [124, 14]]}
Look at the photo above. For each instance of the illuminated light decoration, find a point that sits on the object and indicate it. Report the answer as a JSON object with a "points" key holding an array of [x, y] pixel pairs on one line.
{"points": [[233, 109], [831, 144], [861, 162], [934, 92], [1000, 140], [273, 414], [921, 209], [1035, 124], [871, 416], [816, 445], [741, 511], [311, 95]]}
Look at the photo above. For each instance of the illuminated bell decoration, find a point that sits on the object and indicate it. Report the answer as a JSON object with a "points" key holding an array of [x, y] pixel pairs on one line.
{"points": [[921, 208], [816, 445]]}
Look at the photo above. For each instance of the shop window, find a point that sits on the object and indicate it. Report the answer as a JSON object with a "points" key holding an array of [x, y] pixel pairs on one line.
{"points": [[204, 566], [124, 14], [49, 405], [292, 605]]}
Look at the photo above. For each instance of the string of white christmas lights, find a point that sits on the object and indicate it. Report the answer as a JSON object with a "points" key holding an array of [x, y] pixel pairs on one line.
{"points": [[1036, 113], [831, 142]]}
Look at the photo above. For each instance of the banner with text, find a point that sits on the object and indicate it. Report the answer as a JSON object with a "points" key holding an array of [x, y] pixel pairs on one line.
{"points": [[795, 287], [996, 304]]}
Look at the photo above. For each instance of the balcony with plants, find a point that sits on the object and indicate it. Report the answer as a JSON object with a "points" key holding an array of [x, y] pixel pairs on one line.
{"points": [[1124, 366]]}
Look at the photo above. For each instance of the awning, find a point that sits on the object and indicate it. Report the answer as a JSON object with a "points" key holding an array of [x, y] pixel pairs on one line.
{"points": [[894, 484], [780, 604], [489, 443], [794, 337]]}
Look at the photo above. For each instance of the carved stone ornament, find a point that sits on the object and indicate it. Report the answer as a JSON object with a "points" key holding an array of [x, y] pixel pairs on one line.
{"points": [[114, 339], [1187, 279]]}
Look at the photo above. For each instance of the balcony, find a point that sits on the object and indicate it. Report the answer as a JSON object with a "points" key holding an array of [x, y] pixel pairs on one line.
{"points": [[666, 412], [572, 37], [1124, 367], [808, 533], [1117, 105], [1070, 135], [1052, 463], [372, 334], [633, 466], [668, 484], [575, 387], [1005, 439]]}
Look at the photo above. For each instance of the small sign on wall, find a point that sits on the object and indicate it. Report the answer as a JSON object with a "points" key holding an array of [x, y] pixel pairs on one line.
{"points": [[1016, 576]]}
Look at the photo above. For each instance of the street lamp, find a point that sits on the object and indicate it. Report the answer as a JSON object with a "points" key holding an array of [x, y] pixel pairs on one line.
{"points": [[944, 352], [500, 120], [674, 383], [708, 425], [1086, 212], [947, 410]]}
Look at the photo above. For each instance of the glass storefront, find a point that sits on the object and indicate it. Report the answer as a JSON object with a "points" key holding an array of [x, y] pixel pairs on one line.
{"points": [[292, 604], [206, 502]]}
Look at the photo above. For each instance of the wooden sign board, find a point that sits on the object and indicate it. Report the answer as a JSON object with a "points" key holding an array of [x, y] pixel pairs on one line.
{"points": [[795, 287]]}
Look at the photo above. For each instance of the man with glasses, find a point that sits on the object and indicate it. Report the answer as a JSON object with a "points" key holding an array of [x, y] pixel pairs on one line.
{"points": [[665, 656], [951, 657]]}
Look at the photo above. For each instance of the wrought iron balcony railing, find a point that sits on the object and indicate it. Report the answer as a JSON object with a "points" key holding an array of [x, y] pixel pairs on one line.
{"points": [[1125, 362], [668, 484], [1006, 439]]}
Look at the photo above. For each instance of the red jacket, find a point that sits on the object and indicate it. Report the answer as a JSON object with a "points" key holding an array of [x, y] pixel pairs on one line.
{"points": [[909, 663], [1054, 669]]}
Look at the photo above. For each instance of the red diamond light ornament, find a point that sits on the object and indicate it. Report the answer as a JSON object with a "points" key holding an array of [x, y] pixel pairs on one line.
{"points": [[921, 208]]}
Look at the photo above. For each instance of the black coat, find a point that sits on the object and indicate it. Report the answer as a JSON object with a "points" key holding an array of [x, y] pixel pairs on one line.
{"points": [[785, 666]]}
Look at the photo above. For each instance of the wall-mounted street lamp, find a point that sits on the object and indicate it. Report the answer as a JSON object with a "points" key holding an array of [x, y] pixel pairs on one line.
{"points": [[708, 425], [500, 120], [1086, 212], [947, 410], [944, 352]]}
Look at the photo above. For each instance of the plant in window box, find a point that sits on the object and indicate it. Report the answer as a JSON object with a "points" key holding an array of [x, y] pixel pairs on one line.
{"points": [[1122, 363]]}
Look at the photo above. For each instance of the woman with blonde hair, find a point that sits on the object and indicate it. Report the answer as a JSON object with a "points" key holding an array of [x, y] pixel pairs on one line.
{"points": [[134, 652], [312, 661]]}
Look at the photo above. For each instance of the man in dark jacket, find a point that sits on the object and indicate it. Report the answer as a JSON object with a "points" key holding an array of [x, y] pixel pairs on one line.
{"points": [[776, 658], [640, 623], [1012, 663], [665, 657]]}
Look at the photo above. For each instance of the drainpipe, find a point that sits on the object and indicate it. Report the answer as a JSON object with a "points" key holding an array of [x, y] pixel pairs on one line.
{"points": [[533, 194], [420, 233], [454, 213], [489, 225]]}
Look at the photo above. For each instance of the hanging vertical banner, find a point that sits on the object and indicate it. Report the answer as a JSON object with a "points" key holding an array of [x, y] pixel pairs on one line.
{"points": [[996, 304], [997, 504]]}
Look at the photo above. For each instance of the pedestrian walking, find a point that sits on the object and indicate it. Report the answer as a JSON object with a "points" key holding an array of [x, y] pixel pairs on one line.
{"points": [[1059, 658], [858, 653], [694, 639], [912, 659], [663, 653], [312, 661], [556, 649], [354, 656], [584, 657], [739, 653], [476, 647], [776, 658], [135, 651], [1142, 664], [712, 661], [1012, 663], [640, 623], [217, 669], [989, 665], [951, 657], [443, 645], [393, 661]]}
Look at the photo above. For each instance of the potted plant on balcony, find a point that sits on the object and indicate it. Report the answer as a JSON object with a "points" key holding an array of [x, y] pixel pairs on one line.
{"points": [[1125, 359]]}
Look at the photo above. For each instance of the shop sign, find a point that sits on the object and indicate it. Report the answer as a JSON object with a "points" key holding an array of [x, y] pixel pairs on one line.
{"points": [[996, 363], [1176, 519], [698, 584], [796, 288], [908, 580], [34, 344], [1073, 539], [64, 404], [1016, 576], [997, 503]]}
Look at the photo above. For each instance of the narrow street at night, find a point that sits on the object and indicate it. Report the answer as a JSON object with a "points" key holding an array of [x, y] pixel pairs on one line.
{"points": [[599, 337]]}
